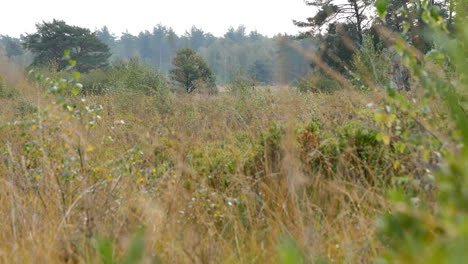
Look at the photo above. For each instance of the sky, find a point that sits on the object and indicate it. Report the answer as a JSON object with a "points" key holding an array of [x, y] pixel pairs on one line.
{"points": [[268, 17]]}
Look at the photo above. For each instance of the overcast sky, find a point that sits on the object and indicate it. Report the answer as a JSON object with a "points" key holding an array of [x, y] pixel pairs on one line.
{"points": [[267, 16]]}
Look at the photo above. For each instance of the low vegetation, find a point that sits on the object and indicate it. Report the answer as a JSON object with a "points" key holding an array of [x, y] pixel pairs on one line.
{"points": [[349, 165]]}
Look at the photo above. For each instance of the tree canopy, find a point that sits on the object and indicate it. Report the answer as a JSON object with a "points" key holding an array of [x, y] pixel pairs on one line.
{"points": [[51, 39], [352, 12], [12, 46], [190, 69]]}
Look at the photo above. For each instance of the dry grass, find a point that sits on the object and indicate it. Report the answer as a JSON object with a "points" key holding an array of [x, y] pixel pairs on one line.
{"points": [[195, 175]]}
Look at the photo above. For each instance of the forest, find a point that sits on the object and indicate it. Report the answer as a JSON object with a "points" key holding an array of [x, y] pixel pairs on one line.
{"points": [[345, 143], [238, 50]]}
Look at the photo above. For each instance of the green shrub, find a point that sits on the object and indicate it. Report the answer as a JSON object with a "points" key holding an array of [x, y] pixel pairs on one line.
{"points": [[240, 84], [372, 64], [364, 139], [318, 82], [268, 151], [95, 82], [137, 76], [132, 75]]}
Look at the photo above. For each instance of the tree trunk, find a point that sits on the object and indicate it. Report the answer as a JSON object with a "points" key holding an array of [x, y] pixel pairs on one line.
{"points": [[358, 17]]}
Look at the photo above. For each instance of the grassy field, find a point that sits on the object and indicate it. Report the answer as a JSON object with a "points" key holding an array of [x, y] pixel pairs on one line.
{"points": [[228, 178], [367, 164]]}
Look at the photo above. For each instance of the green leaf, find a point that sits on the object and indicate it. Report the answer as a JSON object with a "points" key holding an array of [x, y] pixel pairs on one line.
{"points": [[38, 77], [66, 55], [426, 16], [381, 6], [75, 91], [424, 4], [406, 27], [383, 138], [76, 75], [436, 56]]}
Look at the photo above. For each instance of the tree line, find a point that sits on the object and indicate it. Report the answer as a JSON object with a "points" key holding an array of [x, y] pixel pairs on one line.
{"points": [[266, 60], [338, 32]]}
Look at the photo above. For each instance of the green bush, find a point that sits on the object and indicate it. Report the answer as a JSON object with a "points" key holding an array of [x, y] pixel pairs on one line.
{"points": [[135, 75], [95, 82], [372, 64], [132, 75], [318, 82], [268, 150], [240, 84]]}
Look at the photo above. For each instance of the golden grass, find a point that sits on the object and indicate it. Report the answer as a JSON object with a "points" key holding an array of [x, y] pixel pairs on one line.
{"points": [[190, 174]]}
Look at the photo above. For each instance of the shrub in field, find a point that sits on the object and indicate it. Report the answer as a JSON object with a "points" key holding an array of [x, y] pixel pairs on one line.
{"points": [[351, 145], [318, 82], [137, 76], [217, 163], [268, 149], [363, 138], [131, 76], [240, 84], [372, 64], [96, 82]]}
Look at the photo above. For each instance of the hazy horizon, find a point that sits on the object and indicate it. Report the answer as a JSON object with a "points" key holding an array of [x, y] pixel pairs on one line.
{"points": [[268, 17]]}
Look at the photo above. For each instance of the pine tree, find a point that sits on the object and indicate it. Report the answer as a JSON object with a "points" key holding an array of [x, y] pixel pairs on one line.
{"points": [[352, 12], [52, 39]]}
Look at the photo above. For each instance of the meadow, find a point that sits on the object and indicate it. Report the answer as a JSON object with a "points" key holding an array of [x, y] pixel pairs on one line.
{"points": [[121, 166], [227, 178]]}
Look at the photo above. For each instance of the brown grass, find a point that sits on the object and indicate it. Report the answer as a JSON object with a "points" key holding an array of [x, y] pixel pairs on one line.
{"points": [[214, 198]]}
